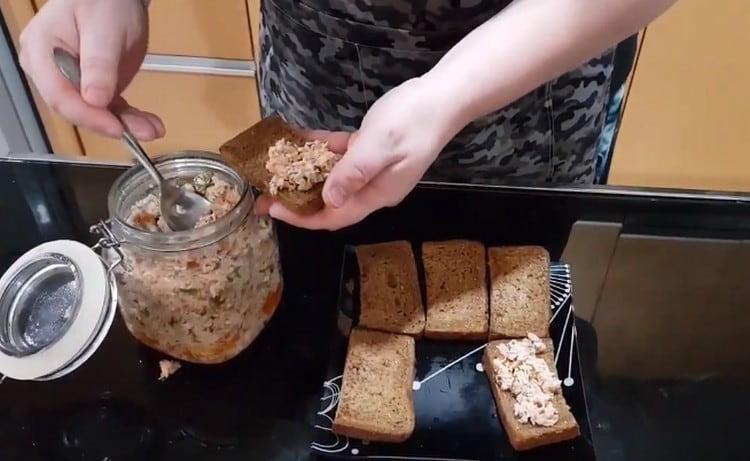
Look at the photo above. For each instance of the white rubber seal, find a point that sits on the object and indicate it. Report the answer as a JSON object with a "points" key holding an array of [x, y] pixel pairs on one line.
{"points": [[85, 326]]}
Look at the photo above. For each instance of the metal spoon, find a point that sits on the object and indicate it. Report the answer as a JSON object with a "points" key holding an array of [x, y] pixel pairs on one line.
{"points": [[180, 208]]}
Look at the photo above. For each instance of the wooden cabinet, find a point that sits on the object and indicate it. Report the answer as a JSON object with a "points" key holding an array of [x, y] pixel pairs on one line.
{"points": [[200, 112], [217, 29], [686, 122]]}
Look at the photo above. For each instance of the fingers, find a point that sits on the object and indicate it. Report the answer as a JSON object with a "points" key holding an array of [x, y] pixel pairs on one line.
{"points": [[352, 138], [144, 125], [64, 99], [383, 191], [326, 219], [355, 210], [364, 160], [158, 124], [105, 36], [262, 205], [60, 94], [101, 49]]}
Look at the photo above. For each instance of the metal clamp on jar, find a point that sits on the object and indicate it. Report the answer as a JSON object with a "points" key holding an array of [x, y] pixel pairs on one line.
{"points": [[200, 295]]}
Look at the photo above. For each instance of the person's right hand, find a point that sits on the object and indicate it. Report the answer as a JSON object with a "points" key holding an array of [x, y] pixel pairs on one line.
{"points": [[110, 37]]}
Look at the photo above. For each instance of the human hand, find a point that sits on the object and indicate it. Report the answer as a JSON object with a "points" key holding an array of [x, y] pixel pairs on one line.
{"points": [[110, 36], [400, 137]]}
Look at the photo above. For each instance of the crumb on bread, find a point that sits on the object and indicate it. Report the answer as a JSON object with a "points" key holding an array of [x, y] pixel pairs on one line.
{"points": [[167, 368]]}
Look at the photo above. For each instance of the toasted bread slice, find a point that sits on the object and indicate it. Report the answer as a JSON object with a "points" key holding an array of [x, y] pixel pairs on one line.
{"points": [[519, 291], [390, 299], [455, 275], [248, 152], [376, 400], [524, 436]]}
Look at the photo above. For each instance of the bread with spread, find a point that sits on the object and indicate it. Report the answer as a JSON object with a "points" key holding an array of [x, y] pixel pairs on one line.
{"points": [[462, 303], [376, 400], [456, 288], [390, 299], [527, 392], [519, 291], [279, 162]]}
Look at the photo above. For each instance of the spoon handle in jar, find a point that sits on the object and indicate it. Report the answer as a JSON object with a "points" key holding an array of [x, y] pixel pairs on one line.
{"points": [[135, 148]]}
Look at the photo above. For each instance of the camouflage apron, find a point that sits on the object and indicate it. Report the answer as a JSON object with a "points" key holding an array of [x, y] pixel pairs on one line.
{"points": [[324, 62]]}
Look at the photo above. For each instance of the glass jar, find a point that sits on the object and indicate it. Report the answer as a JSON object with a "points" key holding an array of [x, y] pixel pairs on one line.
{"points": [[200, 295]]}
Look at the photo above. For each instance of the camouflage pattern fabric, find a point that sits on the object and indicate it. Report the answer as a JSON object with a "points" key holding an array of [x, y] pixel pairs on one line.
{"points": [[324, 62]]}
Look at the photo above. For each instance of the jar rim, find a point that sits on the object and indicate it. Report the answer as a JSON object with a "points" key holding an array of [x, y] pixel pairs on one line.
{"points": [[135, 178]]}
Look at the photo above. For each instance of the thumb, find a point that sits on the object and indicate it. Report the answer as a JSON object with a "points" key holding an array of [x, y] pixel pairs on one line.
{"points": [[101, 47], [364, 160]]}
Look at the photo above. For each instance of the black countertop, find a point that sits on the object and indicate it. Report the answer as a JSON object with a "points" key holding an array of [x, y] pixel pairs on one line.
{"points": [[685, 400]]}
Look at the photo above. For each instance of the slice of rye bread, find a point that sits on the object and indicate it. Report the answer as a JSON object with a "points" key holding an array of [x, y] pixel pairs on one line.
{"points": [[526, 436], [455, 277], [390, 299], [376, 400], [248, 152], [519, 291]]}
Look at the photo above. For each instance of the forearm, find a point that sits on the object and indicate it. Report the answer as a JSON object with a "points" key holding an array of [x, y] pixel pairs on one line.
{"points": [[530, 43]]}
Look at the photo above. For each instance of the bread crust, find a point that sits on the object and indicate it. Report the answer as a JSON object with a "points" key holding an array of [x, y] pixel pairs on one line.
{"points": [[248, 153], [524, 436], [363, 431]]}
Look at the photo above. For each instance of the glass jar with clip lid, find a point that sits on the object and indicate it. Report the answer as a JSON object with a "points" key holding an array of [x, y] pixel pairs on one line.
{"points": [[200, 295]]}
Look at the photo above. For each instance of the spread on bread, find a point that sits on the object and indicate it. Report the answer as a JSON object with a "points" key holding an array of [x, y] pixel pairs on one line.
{"points": [[520, 371], [277, 161], [297, 167]]}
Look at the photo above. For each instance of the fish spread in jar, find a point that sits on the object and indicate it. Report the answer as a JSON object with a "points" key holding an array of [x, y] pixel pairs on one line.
{"points": [[146, 213], [206, 304]]}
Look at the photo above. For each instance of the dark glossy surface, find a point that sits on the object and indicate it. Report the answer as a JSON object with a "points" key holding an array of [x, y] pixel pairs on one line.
{"points": [[262, 405]]}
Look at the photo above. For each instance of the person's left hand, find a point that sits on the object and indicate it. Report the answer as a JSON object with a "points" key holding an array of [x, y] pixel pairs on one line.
{"points": [[400, 137]]}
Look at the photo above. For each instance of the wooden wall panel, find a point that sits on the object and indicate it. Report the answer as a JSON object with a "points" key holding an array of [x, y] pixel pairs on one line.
{"points": [[217, 28], [686, 122]]}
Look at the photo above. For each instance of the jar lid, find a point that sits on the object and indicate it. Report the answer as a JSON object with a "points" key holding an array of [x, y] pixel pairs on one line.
{"points": [[57, 303]]}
